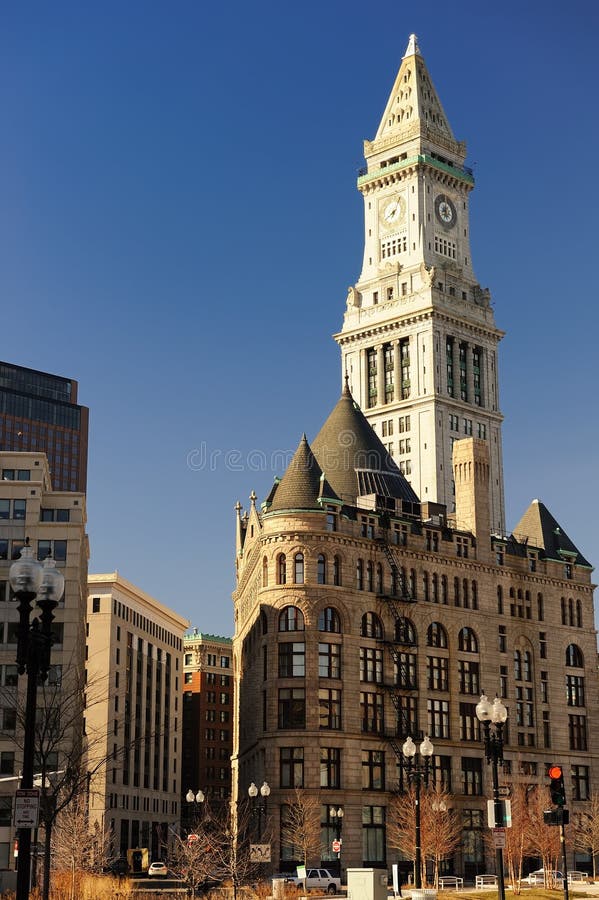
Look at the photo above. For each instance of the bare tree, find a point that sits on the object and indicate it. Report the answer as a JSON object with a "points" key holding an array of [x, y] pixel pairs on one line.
{"points": [[77, 848], [300, 825], [540, 839], [229, 847], [440, 828], [586, 830]]}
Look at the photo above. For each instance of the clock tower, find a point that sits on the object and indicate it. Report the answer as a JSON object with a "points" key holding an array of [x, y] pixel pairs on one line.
{"points": [[419, 340]]}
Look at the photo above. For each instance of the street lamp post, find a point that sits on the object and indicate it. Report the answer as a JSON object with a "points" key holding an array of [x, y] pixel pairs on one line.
{"points": [[495, 713], [417, 771], [30, 580], [259, 807], [196, 799], [337, 817]]}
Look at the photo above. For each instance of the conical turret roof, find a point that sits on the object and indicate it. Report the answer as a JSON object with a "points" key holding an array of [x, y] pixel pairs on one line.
{"points": [[543, 531], [353, 458], [302, 484]]}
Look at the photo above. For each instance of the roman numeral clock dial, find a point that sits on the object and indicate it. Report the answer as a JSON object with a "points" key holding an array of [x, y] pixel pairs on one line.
{"points": [[445, 211]]}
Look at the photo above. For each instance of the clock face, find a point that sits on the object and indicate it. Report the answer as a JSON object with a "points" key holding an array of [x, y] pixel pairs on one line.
{"points": [[392, 211], [445, 211]]}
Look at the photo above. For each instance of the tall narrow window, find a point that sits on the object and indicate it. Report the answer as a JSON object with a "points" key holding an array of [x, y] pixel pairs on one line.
{"points": [[298, 570], [281, 569], [265, 572], [372, 377], [449, 357], [321, 569], [337, 571]]}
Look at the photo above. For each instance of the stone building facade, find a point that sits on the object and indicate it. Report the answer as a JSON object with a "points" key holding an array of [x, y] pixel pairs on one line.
{"points": [[133, 717], [378, 593], [361, 623]]}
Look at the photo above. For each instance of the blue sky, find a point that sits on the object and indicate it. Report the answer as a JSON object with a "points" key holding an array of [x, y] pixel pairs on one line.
{"points": [[180, 224]]}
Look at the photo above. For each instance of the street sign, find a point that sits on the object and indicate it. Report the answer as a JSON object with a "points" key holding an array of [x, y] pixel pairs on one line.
{"points": [[504, 790], [499, 838], [336, 845], [27, 806], [260, 853]]}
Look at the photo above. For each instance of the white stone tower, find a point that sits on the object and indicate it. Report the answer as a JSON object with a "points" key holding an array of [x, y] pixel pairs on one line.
{"points": [[419, 340]]}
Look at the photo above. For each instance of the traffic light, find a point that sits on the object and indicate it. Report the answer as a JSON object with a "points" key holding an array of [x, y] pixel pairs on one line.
{"points": [[556, 788]]}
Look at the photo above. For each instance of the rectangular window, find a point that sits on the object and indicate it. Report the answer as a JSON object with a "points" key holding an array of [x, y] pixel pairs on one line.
{"points": [[330, 767], [469, 680], [472, 776], [437, 673], [292, 708], [7, 762], [371, 665], [4, 509], [438, 718], [5, 812], [19, 509], [502, 639], [469, 724], [405, 670], [292, 660], [371, 709], [292, 767], [373, 770], [373, 835], [575, 690], [329, 660], [329, 705], [442, 773], [95, 604], [580, 783], [577, 732], [407, 716]]}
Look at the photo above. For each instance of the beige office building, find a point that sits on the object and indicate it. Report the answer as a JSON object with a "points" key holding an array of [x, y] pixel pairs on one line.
{"points": [[134, 674], [54, 522]]}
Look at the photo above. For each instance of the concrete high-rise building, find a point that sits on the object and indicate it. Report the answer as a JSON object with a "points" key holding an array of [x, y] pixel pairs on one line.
{"points": [[207, 719], [133, 718], [39, 411], [374, 603], [419, 339], [54, 521]]}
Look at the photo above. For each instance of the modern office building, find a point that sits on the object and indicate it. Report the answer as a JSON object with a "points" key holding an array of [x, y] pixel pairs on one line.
{"points": [[54, 521], [374, 603], [39, 412], [207, 720], [133, 717], [419, 339]]}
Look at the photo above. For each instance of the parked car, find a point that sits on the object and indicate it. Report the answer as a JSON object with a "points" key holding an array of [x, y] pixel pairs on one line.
{"points": [[538, 877], [318, 879], [158, 869]]}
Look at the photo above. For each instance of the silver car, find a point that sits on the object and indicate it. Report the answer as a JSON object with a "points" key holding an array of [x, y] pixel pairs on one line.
{"points": [[319, 879]]}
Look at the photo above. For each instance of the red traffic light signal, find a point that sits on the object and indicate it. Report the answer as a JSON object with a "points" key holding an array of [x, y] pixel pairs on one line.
{"points": [[557, 788]]}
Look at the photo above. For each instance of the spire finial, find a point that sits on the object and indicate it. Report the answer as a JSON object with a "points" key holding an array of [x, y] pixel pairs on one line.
{"points": [[238, 507], [253, 498], [346, 391], [412, 49]]}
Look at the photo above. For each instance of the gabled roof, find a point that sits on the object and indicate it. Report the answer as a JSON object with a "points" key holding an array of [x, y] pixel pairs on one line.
{"points": [[302, 484], [543, 531], [353, 458]]}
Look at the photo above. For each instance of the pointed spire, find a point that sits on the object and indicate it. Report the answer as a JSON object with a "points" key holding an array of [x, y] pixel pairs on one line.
{"points": [[543, 531], [414, 109], [412, 49], [301, 485]]}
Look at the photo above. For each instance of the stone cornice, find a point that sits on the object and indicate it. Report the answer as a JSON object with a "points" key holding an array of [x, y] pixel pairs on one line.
{"points": [[386, 329]]}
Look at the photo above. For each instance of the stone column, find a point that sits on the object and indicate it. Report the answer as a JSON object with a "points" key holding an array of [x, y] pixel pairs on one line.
{"points": [[380, 375]]}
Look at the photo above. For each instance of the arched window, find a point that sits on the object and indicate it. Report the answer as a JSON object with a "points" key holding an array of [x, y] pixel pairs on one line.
{"points": [[298, 568], [371, 626], [465, 597], [405, 633], [467, 641], [570, 611], [337, 571], [574, 656], [379, 578], [329, 620], [265, 572], [281, 569], [321, 569], [444, 590], [436, 636], [563, 607], [499, 599], [425, 586], [369, 576], [527, 665], [474, 595], [360, 575], [401, 586], [291, 619], [456, 591], [578, 613], [435, 594]]}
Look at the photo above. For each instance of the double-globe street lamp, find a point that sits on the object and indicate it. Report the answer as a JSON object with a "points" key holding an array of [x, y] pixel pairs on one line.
{"points": [[494, 713], [259, 807], [417, 772], [197, 800], [29, 580], [336, 814]]}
